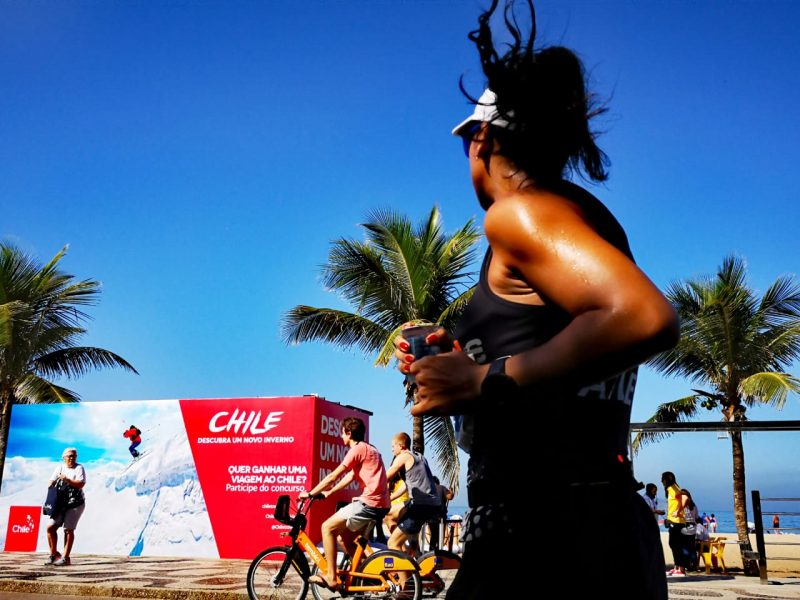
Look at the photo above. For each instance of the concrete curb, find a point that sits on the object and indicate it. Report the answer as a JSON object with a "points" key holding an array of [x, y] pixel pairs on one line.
{"points": [[85, 589]]}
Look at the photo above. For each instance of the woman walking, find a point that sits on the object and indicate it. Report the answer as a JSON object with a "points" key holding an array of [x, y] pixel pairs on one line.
{"points": [[70, 479], [676, 521], [551, 338]]}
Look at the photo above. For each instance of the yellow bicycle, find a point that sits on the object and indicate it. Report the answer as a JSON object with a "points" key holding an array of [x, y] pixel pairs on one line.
{"points": [[283, 571]]}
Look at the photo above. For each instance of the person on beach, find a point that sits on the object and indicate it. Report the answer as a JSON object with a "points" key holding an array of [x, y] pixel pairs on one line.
{"points": [[363, 464], [135, 436], [712, 523], [552, 336], [423, 503], [692, 518], [70, 478], [435, 525], [776, 524], [676, 521], [701, 534], [650, 493]]}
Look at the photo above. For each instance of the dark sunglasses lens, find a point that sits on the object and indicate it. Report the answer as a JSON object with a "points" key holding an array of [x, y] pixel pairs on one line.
{"points": [[467, 137]]}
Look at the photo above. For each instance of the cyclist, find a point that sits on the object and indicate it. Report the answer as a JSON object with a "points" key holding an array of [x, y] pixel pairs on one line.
{"points": [[424, 503], [363, 464]]}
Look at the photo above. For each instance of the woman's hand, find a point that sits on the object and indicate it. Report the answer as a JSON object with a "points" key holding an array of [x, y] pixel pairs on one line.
{"points": [[447, 384], [440, 337]]}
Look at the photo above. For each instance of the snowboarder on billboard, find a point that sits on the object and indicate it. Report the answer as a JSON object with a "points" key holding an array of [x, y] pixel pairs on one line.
{"points": [[135, 436]]}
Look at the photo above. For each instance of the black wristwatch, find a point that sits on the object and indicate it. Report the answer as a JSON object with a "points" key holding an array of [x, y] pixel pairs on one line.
{"points": [[497, 386]]}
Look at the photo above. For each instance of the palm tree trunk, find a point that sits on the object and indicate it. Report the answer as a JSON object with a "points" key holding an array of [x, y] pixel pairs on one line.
{"points": [[740, 502], [418, 437], [5, 422]]}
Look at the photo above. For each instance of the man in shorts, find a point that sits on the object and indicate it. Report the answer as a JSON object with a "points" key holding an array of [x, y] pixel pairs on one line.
{"points": [[363, 464], [424, 501]]}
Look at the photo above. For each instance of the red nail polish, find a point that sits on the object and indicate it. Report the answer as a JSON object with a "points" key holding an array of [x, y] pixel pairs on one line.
{"points": [[432, 339], [404, 346], [409, 358]]}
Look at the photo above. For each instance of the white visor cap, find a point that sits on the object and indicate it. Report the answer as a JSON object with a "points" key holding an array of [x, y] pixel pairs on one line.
{"points": [[485, 112]]}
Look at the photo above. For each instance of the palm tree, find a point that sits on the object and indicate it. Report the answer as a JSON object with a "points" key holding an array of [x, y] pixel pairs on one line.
{"points": [[737, 346], [399, 274], [40, 324]]}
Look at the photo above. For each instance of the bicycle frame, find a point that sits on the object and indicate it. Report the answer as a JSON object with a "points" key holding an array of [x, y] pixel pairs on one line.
{"points": [[371, 579]]}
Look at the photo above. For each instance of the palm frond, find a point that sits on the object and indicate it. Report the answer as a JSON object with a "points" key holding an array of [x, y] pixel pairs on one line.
{"points": [[670, 412], [78, 360], [358, 273], [781, 302], [768, 388], [33, 389], [9, 315], [41, 323], [441, 438], [307, 323]]}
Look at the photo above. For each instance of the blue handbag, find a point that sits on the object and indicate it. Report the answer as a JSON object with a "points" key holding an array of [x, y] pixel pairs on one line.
{"points": [[51, 502]]}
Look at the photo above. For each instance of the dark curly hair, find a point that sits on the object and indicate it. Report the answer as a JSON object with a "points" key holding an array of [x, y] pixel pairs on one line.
{"points": [[542, 94]]}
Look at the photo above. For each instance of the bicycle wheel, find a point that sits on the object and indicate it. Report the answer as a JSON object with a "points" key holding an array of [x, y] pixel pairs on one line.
{"points": [[437, 570], [400, 572], [264, 569], [322, 593]]}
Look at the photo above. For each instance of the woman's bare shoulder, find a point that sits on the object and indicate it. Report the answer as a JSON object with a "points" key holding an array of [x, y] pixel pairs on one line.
{"points": [[531, 215]]}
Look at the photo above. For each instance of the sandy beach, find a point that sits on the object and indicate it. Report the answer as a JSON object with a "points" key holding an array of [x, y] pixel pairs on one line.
{"points": [[783, 552]]}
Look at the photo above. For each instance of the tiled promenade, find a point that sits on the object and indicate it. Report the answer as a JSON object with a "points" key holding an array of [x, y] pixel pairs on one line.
{"points": [[207, 579]]}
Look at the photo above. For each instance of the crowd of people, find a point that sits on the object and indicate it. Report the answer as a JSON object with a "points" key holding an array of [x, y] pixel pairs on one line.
{"points": [[682, 519]]}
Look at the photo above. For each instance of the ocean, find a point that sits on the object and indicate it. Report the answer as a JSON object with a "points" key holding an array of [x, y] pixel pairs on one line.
{"points": [[725, 522]]}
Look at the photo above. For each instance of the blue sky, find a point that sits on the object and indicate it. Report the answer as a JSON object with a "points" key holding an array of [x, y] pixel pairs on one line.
{"points": [[198, 157]]}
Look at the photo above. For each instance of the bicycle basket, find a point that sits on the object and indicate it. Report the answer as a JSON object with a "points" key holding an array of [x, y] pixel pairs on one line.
{"points": [[282, 510]]}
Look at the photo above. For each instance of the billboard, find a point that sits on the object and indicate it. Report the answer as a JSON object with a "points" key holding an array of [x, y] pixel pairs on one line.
{"points": [[205, 484]]}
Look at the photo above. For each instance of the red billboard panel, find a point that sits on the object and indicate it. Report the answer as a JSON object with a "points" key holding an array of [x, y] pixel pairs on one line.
{"points": [[249, 451], [23, 528]]}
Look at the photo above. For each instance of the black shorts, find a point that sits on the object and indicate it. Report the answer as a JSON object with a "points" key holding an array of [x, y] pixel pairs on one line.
{"points": [[416, 515]]}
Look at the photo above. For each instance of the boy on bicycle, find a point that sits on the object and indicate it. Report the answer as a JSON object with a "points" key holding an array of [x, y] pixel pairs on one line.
{"points": [[362, 463]]}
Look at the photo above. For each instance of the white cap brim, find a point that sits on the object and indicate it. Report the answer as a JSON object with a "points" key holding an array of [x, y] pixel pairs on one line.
{"points": [[485, 112]]}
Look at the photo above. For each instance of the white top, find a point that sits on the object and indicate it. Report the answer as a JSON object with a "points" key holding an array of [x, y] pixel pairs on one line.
{"points": [[76, 473], [652, 503]]}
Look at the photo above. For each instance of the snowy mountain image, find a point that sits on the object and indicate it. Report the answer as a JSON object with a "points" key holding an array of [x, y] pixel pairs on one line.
{"points": [[149, 507]]}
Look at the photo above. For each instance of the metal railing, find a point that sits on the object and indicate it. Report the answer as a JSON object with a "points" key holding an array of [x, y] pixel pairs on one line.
{"points": [[761, 544]]}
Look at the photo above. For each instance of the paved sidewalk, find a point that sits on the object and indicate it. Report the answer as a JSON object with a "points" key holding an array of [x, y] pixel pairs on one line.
{"points": [[209, 579], [118, 576]]}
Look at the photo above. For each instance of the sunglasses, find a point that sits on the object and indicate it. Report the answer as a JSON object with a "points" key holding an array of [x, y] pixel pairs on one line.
{"points": [[466, 138]]}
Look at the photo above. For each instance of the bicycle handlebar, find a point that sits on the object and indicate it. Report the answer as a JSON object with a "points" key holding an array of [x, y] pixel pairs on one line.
{"points": [[304, 504]]}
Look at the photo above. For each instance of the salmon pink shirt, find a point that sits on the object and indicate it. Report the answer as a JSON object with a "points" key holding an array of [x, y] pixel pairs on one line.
{"points": [[367, 466]]}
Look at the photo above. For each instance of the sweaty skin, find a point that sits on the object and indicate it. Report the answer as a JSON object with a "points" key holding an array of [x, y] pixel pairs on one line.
{"points": [[546, 251]]}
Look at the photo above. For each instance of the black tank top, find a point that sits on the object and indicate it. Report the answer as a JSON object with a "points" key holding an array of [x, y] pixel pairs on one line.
{"points": [[573, 435]]}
